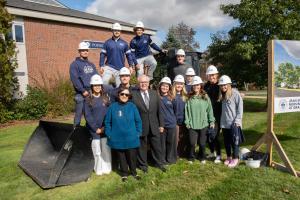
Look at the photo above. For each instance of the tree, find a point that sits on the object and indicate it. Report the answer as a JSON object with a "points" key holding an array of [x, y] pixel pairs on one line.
{"points": [[242, 52], [181, 36], [8, 64]]}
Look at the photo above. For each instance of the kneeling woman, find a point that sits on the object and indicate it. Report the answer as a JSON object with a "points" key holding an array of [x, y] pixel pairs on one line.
{"points": [[95, 109], [198, 116], [232, 114], [123, 127]]}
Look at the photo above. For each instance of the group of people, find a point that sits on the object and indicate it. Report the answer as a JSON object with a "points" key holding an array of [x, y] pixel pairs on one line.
{"points": [[129, 121]]}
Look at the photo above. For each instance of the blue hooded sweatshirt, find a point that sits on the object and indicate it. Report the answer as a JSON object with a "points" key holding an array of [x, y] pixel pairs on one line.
{"points": [[94, 112], [167, 110], [140, 47], [179, 106], [81, 71], [115, 50]]}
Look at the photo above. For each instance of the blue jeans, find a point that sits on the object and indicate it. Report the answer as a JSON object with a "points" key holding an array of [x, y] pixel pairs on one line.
{"points": [[79, 100]]}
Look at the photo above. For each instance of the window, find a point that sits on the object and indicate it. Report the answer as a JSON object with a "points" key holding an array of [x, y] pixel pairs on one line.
{"points": [[19, 33]]}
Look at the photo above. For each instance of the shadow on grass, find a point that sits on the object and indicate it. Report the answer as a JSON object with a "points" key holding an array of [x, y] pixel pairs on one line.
{"points": [[255, 105]]}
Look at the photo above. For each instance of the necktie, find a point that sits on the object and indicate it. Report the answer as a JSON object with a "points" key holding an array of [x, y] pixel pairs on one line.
{"points": [[146, 100]]}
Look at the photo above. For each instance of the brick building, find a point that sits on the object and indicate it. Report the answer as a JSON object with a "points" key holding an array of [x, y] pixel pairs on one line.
{"points": [[47, 34]]}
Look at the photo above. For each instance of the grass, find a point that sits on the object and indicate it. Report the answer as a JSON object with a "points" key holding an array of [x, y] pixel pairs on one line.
{"points": [[182, 181]]}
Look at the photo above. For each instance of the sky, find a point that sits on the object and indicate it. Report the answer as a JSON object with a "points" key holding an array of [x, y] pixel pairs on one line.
{"points": [[286, 51], [202, 15]]}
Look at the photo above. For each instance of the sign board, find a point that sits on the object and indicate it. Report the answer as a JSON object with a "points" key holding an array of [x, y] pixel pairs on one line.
{"points": [[286, 76], [94, 44]]}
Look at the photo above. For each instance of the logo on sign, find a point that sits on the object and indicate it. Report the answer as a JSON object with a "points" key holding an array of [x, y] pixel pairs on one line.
{"points": [[88, 69], [282, 104]]}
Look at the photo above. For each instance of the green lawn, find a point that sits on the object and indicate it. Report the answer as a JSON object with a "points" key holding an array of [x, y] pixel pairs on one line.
{"points": [[182, 181]]}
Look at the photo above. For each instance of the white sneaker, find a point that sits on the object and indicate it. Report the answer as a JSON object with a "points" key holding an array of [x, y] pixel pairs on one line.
{"points": [[211, 155], [203, 162], [218, 160], [190, 162]]}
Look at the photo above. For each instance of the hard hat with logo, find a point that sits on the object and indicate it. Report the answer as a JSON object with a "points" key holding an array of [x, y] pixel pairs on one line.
{"points": [[124, 71], [96, 80], [180, 52], [83, 45], [139, 24], [197, 80], [116, 26], [165, 80], [212, 70], [243, 153], [190, 72], [224, 80], [179, 79]]}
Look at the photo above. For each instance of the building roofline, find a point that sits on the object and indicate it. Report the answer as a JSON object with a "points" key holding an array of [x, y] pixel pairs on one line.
{"points": [[40, 11]]}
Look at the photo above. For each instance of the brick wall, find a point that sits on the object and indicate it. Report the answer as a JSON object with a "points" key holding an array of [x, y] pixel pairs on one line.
{"points": [[51, 47]]}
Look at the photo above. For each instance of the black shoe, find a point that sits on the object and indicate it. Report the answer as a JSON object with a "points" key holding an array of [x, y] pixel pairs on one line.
{"points": [[144, 169], [137, 177], [124, 179], [162, 168]]}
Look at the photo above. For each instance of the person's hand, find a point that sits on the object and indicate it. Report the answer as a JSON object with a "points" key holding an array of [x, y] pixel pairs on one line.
{"points": [[164, 51], [161, 129], [137, 66], [85, 93], [101, 70], [98, 131], [130, 69], [102, 130], [212, 126], [237, 124]]}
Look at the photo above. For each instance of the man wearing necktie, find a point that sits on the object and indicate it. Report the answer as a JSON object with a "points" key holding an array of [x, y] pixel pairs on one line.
{"points": [[148, 104]]}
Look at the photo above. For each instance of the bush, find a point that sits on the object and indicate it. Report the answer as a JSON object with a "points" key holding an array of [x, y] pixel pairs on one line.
{"points": [[33, 106], [5, 114]]}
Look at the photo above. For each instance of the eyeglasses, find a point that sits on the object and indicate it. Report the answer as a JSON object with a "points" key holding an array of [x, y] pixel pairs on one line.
{"points": [[83, 50], [180, 55], [124, 94]]}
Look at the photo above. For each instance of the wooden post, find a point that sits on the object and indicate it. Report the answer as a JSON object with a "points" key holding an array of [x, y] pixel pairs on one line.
{"points": [[269, 138]]}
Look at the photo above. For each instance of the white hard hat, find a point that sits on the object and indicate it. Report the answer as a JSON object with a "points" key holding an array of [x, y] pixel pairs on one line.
{"points": [[165, 80], [180, 52], [224, 80], [243, 153], [197, 80], [116, 26], [124, 71], [139, 24], [211, 70], [83, 45], [96, 80], [190, 72], [179, 79]]}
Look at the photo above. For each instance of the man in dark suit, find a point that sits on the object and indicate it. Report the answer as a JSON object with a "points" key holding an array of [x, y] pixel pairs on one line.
{"points": [[148, 104]]}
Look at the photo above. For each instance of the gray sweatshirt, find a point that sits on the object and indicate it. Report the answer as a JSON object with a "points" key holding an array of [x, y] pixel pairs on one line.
{"points": [[232, 110]]}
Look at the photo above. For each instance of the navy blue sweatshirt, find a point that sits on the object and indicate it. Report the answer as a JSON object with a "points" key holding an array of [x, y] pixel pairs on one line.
{"points": [[167, 110], [81, 71], [188, 88], [115, 51], [140, 47], [179, 106], [94, 114]]}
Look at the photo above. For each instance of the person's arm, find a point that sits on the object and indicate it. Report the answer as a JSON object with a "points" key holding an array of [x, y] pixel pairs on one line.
{"points": [[74, 76], [132, 49], [153, 45], [159, 113], [103, 54], [187, 115], [210, 114], [128, 55], [239, 110], [138, 121], [108, 122], [89, 117]]}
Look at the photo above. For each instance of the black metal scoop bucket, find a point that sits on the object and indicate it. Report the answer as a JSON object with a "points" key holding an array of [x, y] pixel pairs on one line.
{"points": [[57, 154]]}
